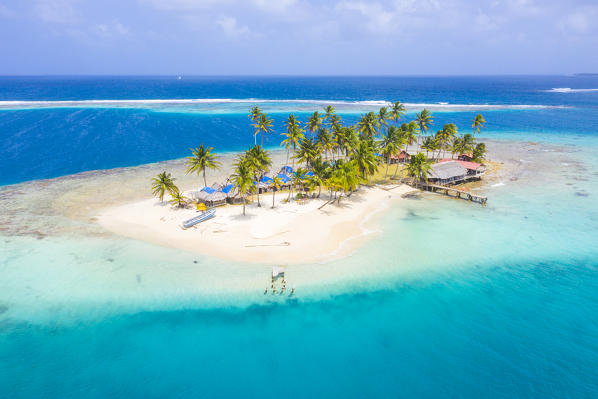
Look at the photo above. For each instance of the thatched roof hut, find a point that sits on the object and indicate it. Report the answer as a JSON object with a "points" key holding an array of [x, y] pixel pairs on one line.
{"points": [[216, 198], [447, 172]]}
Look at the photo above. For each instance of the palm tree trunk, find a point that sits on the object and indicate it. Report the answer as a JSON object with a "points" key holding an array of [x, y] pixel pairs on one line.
{"points": [[243, 205], [291, 185], [273, 194], [204, 178], [396, 170], [386, 173], [258, 192]]}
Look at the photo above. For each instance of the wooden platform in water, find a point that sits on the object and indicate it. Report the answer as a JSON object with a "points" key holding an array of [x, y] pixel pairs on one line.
{"points": [[454, 192]]}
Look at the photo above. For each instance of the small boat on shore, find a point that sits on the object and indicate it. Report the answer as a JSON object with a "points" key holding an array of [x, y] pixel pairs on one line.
{"points": [[198, 219]]}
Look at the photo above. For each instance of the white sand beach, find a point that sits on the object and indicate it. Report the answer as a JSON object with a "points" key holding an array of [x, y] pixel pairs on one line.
{"points": [[289, 233]]}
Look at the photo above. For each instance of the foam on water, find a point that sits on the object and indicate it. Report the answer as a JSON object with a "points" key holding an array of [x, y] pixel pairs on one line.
{"points": [[289, 105], [569, 90]]}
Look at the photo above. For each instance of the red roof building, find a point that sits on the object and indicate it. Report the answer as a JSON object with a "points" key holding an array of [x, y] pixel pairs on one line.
{"points": [[401, 157], [466, 164]]}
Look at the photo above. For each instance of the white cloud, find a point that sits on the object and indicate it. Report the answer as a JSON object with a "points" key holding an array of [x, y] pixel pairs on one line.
{"points": [[377, 18], [56, 11], [112, 29], [580, 22], [231, 28], [483, 22], [5, 12], [279, 6], [186, 5]]}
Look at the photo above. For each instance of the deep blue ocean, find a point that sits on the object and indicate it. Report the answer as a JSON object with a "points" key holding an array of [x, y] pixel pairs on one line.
{"points": [[504, 305], [44, 142]]}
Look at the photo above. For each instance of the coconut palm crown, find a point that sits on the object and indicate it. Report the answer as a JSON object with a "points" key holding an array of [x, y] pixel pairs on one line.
{"points": [[162, 183], [203, 158], [478, 123]]}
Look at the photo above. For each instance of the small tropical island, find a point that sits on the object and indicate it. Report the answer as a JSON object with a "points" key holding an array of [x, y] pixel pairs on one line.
{"points": [[310, 202]]}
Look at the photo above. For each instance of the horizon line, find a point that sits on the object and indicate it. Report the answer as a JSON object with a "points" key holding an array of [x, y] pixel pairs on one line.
{"points": [[295, 75]]}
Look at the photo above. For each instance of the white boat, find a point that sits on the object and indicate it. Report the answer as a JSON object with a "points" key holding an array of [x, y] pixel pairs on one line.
{"points": [[198, 219]]}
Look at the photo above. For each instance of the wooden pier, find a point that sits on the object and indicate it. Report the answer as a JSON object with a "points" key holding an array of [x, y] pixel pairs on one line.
{"points": [[454, 192]]}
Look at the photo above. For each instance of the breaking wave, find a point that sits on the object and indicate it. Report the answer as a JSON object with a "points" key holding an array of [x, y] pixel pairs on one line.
{"points": [[568, 90], [198, 103]]}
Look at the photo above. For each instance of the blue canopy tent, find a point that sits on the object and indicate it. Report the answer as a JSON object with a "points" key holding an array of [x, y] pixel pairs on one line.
{"points": [[287, 170], [226, 189], [285, 179]]}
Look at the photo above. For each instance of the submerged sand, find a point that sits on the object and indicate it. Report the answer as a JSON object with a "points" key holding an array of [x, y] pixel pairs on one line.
{"points": [[287, 233]]}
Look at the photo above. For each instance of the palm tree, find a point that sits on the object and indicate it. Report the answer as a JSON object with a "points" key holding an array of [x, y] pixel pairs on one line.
{"points": [[341, 138], [479, 152], [329, 113], [390, 146], [368, 125], [321, 172], [203, 158], [410, 133], [478, 122], [254, 116], [299, 178], [430, 145], [463, 145], [243, 179], [397, 111], [276, 184], [383, 117], [445, 136], [307, 152], [162, 183], [345, 177], [365, 158], [418, 167], [403, 136], [424, 120], [177, 198], [264, 125], [294, 135], [334, 121], [314, 122], [259, 161], [324, 142]]}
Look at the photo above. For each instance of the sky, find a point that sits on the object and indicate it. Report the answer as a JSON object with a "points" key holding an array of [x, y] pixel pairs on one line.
{"points": [[298, 37]]}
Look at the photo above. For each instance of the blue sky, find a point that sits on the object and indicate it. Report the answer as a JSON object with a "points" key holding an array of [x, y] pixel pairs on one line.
{"points": [[305, 37]]}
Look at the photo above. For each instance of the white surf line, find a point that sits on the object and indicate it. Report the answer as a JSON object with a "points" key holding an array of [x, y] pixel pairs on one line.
{"points": [[568, 90], [208, 101]]}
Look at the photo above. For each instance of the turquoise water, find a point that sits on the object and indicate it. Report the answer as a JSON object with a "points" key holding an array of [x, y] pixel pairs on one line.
{"points": [[447, 299]]}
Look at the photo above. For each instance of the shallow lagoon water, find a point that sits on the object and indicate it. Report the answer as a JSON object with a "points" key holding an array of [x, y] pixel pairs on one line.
{"points": [[446, 299]]}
